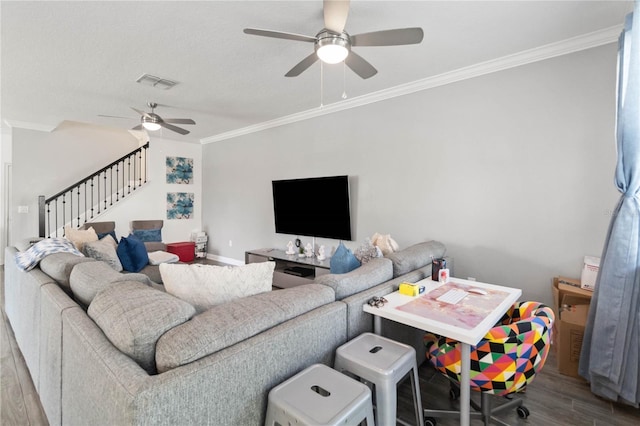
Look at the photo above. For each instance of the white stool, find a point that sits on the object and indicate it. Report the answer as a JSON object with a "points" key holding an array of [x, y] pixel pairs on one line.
{"points": [[319, 395], [384, 363]]}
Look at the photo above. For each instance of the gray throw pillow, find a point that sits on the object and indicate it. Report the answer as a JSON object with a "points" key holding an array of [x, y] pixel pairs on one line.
{"points": [[105, 250]]}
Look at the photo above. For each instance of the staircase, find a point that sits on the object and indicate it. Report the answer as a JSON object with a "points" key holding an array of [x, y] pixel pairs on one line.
{"points": [[93, 195]]}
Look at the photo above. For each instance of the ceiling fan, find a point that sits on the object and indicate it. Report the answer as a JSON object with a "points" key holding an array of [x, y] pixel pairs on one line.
{"points": [[333, 44], [152, 121]]}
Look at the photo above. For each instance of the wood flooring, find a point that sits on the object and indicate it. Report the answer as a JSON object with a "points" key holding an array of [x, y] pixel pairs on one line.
{"points": [[552, 399], [19, 404]]}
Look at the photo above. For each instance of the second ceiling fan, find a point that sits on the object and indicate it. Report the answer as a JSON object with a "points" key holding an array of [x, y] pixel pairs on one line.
{"points": [[333, 44], [152, 121]]}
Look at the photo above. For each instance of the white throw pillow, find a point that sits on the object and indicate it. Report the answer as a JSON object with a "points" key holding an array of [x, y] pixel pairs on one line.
{"points": [[205, 286], [159, 256], [80, 236]]}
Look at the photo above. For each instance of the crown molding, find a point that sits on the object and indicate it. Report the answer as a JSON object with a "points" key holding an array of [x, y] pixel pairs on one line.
{"points": [[548, 51], [30, 126]]}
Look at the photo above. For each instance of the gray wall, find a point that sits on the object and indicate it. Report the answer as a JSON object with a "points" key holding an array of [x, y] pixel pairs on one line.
{"points": [[513, 171]]}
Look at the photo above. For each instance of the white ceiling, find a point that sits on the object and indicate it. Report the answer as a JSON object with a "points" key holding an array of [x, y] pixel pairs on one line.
{"points": [[76, 60]]}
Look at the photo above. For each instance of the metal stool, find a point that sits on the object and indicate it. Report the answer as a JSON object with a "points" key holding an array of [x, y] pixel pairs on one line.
{"points": [[319, 395], [384, 363]]}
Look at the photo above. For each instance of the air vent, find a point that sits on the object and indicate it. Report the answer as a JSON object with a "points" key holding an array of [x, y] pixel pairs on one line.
{"points": [[157, 82]]}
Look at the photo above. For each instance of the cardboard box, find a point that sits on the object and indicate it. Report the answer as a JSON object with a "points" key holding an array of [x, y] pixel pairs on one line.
{"points": [[574, 310], [571, 305], [569, 348], [569, 281], [590, 270]]}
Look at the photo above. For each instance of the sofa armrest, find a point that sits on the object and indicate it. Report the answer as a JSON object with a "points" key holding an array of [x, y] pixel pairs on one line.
{"points": [[372, 273], [103, 386], [415, 256], [155, 246]]}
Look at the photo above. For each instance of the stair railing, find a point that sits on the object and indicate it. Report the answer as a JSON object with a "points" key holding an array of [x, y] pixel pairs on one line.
{"points": [[91, 196]]}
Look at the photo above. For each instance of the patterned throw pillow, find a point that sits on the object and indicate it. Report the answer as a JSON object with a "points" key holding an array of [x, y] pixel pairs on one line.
{"points": [[205, 286], [27, 260], [104, 234], [343, 260], [105, 250], [148, 235]]}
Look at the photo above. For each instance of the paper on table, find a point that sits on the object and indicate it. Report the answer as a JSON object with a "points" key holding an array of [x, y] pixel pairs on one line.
{"points": [[467, 313]]}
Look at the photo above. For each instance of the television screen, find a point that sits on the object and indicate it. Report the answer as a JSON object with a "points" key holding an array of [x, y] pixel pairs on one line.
{"points": [[315, 207]]}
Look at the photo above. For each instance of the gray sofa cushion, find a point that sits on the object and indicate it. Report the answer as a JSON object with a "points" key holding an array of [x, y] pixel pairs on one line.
{"points": [[87, 279], [133, 316], [372, 273], [153, 272], [59, 266], [230, 323], [415, 256]]}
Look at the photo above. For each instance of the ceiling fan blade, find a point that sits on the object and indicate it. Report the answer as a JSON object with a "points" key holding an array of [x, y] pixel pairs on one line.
{"points": [[138, 127], [335, 15], [395, 37], [302, 65], [360, 66], [179, 120], [279, 34], [141, 112], [174, 128]]}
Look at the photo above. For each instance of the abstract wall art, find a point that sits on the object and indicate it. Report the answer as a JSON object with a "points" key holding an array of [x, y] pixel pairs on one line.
{"points": [[179, 170], [180, 205]]}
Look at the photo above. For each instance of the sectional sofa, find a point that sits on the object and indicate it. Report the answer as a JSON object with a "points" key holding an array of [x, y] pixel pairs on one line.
{"points": [[114, 349]]}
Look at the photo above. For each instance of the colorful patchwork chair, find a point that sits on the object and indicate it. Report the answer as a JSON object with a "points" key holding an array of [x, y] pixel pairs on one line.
{"points": [[503, 362]]}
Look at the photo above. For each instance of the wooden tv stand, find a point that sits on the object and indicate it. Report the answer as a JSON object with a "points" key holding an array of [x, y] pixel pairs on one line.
{"points": [[290, 269]]}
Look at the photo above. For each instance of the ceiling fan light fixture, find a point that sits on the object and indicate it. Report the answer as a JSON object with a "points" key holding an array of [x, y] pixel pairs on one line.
{"points": [[151, 121], [151, 126], [332, 48]]}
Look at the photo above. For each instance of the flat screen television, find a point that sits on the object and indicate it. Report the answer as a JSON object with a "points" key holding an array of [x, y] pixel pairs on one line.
{"points": [[314, 207]]}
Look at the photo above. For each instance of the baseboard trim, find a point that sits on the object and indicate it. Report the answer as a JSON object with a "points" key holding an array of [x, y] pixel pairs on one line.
{"points": [[227, 260]]}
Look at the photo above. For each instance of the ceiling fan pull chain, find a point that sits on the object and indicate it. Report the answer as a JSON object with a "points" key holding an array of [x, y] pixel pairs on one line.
{"points": [[344, 80], [321, 85]]}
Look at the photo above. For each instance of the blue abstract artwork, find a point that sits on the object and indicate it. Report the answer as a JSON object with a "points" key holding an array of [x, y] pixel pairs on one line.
{"points": [[179, 170], [180, 205]]}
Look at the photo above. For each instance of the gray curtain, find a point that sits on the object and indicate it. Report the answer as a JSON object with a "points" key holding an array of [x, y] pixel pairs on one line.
{"points": [[609, 358]]}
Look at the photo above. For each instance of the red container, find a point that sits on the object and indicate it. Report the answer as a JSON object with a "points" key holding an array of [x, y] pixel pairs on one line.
{"points": [[185, 251]]}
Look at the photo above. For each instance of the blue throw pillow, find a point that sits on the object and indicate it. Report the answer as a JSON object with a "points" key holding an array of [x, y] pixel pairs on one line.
{"points": [[132, 254], [148, 235], [343, 260], [101, 235]]}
